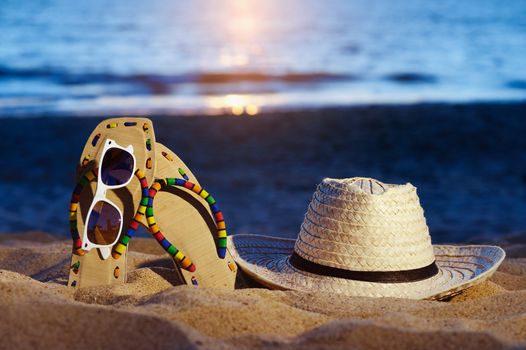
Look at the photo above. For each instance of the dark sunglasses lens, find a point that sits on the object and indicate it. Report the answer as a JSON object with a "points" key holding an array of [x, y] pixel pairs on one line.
{"points": [[117, 167], [104, 224]]}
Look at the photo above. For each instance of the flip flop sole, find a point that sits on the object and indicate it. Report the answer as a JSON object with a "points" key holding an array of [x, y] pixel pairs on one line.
{"points": [[91, 269], [186, 221]]}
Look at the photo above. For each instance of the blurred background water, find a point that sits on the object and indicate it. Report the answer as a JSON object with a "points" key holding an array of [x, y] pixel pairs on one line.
{"points": [[59, 57], [427, 92]]}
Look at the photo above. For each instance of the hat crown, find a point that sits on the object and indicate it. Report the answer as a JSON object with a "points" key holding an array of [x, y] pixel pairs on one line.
{"points": [[362, 224]]}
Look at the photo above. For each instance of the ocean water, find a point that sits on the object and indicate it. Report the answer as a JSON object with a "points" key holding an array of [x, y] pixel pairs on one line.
{"points": [[102, 57], [464, 147]]}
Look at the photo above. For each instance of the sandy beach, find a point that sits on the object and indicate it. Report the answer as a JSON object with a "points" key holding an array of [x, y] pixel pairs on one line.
{"points": [[263, 101], [151, 311], [466, 160]]}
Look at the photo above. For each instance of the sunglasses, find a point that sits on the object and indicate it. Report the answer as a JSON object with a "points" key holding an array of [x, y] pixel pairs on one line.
{"points": [[104, 221]]}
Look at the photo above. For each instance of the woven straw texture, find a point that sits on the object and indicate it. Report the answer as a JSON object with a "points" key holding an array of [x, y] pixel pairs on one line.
{"points": [[364, 225], [361, 224], [266, 259]]}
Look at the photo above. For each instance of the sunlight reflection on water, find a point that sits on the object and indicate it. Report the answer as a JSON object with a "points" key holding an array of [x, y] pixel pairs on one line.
{"points": [[163, 56], [236, 104]]}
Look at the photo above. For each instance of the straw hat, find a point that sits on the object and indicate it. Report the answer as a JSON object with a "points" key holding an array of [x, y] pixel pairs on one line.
{"points": [[361, 237]]}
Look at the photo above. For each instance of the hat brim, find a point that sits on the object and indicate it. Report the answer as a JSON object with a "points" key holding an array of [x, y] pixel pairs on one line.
{"points": [[266, 259]]}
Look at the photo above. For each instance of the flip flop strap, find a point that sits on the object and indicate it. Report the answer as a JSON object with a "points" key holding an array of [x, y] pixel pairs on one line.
{"points": [[145, 204], [216, 212], [120, 247], [146, 208]]}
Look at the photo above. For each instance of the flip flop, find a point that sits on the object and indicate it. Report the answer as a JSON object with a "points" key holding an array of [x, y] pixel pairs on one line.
{"points": [[180, 213], [97, 266]]}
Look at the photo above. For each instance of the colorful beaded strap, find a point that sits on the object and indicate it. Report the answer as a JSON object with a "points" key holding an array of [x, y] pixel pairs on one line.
{"points": [[146, 202], [147, 208], [121, 246], [217, 214]]}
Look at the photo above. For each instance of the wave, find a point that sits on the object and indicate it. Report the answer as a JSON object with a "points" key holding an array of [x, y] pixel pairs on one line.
{"points": [[411, 78], [517, 84], [166, 84], [162, 84]]}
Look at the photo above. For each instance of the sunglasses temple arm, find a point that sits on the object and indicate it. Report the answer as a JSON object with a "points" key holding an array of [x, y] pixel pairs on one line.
{"points": [[73, 208]]}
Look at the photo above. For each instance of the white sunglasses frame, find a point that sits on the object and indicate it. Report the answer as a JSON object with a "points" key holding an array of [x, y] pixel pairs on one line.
{"points": [[100, 196]]}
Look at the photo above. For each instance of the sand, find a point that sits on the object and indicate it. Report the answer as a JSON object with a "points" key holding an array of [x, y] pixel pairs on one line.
{"points": [[38, 310]]}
